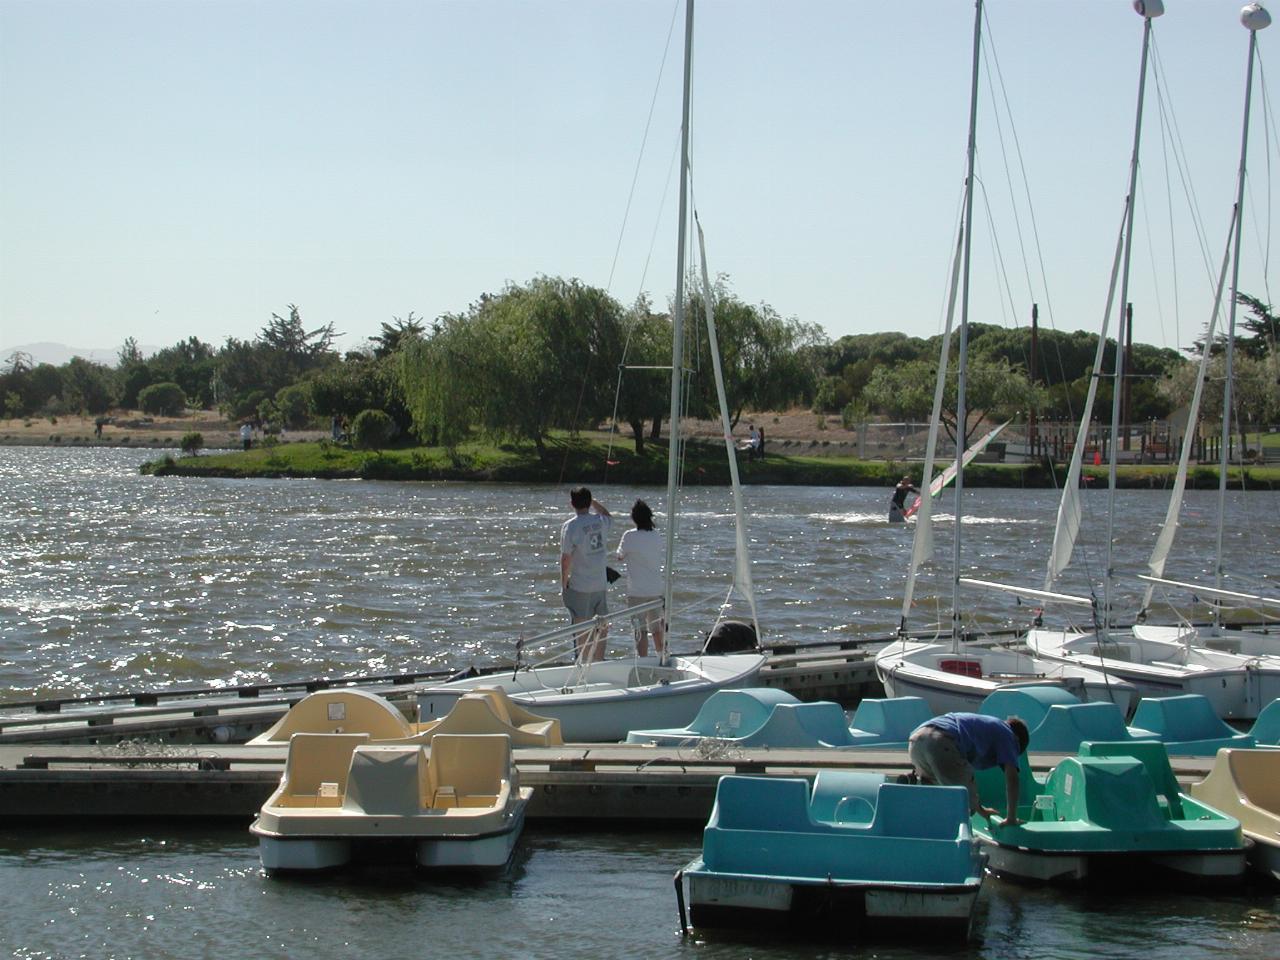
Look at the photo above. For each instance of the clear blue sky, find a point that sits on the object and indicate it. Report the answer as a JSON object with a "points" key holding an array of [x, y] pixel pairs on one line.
{"points": [[171, 168]]}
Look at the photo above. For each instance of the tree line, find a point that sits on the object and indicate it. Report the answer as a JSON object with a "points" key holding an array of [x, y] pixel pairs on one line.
{"points": [[556, 354]]}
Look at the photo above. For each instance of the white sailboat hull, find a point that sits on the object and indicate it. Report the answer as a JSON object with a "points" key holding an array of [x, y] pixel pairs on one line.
{"points": [[1238, 687], [613, 698], [927, 670]]}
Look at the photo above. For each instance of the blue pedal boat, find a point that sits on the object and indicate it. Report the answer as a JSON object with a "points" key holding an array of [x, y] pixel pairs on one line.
{"points": [[1112, 812], [845, 856]]}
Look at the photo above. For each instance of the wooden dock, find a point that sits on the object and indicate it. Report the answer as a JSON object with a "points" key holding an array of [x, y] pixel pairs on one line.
{"points": [[844, 673], [585, 783]]}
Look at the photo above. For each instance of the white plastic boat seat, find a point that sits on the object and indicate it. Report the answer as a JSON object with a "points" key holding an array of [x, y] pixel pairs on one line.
{"points": [[1155, 758], [475, 714], [889, 720], [316, 761], [468, 766], [737, 713], [1188, 724], [1266, 729], [801, 725], [1031, 702], [387, 780], [845, 796], [339, 711], [1066, 726]]}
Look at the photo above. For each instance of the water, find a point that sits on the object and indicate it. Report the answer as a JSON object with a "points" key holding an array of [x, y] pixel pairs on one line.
{"points": [[110, 581]]}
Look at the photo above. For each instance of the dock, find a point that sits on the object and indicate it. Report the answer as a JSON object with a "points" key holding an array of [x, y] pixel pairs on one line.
{"points": [[843, 672], [80, 785]]}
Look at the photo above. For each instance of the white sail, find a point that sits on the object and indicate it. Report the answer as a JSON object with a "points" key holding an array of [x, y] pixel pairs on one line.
{"points": [[940, 482], [742, 554], [922, 543], [1068, 524], [1164, 542]]}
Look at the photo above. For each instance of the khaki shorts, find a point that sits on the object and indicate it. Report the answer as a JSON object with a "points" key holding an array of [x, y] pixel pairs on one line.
{"points": [[938, 759], [585, 605]]}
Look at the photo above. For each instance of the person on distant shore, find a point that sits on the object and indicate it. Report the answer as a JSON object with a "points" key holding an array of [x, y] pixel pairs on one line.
{"points": [[246, 435], [753, 440], [644, 553], [335, 428], [760, 443], [899, 501], [583, 574], [947, 749]]}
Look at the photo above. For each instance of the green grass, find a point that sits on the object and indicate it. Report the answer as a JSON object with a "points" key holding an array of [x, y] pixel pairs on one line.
{"points": [[582, 460]]}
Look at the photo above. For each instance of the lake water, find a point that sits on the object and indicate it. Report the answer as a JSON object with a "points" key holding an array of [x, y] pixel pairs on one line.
{"points": [[110, 581]]}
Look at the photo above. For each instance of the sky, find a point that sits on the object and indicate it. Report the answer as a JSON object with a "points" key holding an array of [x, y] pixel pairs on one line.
{"points": [[176, 168]]}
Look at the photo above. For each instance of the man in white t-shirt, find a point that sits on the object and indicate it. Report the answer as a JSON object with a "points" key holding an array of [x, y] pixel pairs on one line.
{"points": [[644, 552], [584, 554]]}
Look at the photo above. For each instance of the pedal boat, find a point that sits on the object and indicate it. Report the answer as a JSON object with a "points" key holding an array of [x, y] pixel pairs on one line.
{"points": [[457, 804], [853, 852], [1245, 784], [483, 710], [1113, 811]]}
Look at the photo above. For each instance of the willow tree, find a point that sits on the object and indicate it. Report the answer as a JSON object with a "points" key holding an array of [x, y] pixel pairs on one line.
{"points": [[535, 357]]}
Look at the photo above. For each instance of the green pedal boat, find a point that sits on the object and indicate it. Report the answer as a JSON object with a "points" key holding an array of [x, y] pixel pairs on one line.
{"points": [[1113, 810]]}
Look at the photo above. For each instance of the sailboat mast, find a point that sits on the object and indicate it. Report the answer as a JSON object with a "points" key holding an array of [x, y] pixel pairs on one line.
{"points": [[677, 317], [961, 413], [1149, 12], [1254, 18]]}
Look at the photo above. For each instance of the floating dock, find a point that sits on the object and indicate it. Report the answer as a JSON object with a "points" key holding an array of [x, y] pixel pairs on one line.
{"points": [[594, 783], [234, 714]]}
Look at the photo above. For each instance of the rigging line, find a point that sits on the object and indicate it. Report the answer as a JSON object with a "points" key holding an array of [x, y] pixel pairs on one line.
{"points": [[988, 54], [1169, 117], [1146, 221], [1149, 235], [657, 223], [1005, 301], [644, 139], [1026, 184]]}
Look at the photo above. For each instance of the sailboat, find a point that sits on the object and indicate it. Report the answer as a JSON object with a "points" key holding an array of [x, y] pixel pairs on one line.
{"points": [[951, 674], [603, 701], [1162, 662]]}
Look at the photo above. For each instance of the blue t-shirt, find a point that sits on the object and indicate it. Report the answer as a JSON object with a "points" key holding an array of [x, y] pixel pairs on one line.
{"points": [[984, 741]]}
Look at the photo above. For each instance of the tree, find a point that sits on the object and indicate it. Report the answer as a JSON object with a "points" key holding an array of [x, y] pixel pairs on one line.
{"points": [[162, 399], [531, 358], [993, 389], [767, 360], [645, 395], [372, 430], [191, 443], [294, 405], [86, 386], [1254, 390], [191, 364], [394, 334]]}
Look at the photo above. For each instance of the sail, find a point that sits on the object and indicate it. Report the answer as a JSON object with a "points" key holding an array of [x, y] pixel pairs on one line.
{"points": [[1068, 524], [946, 476], [742, 564], [922, 544], [1164, 542]]}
